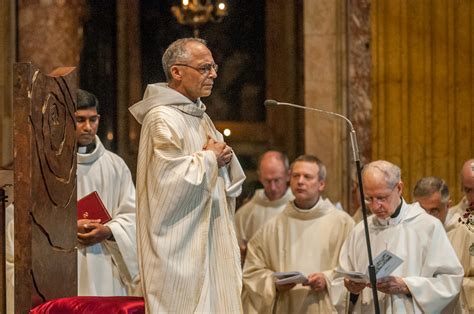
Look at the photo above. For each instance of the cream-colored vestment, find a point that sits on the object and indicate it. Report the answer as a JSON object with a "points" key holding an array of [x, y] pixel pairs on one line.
{"points": [[188, 252], [461, 239], [256, 212], [308, 241]]}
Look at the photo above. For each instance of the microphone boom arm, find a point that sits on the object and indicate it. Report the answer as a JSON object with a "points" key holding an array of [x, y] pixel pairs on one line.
{"points": [[352, 133]]}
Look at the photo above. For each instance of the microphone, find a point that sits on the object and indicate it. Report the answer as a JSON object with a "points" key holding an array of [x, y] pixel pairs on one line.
{"points": [[272, 103], [355, 149]]}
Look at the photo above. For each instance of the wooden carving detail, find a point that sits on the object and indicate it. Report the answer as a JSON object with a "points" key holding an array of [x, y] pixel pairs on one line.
{"points": [[54, 130], [45, 186]]}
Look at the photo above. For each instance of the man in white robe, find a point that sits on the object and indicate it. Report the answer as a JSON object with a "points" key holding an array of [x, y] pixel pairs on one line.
{"points": [[187, 182], [432, 194], [274, 174], [307, 237], [428, 280], [107, 254]]}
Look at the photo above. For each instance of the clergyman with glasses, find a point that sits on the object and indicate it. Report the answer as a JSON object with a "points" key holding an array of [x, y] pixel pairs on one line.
{"points": [[187, 182], [429, 279]]}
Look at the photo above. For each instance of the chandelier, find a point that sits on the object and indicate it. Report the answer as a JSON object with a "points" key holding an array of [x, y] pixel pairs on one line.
{"points": [[196, 13]]}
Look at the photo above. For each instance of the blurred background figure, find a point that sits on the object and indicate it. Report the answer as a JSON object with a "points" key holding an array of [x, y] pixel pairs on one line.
{"points": [[432, 194], [273, 174]]}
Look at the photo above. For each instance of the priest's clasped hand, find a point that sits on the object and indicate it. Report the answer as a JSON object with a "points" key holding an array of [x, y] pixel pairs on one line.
{"points": [[316, 281], [354, 287], [388, 285], [91, 231], [392, 285], [223, 152]]}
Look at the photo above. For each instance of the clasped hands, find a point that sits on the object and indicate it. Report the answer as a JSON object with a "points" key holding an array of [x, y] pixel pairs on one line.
{"points": [[91, 231], [223, 152], [388, 285], [316, 282]]}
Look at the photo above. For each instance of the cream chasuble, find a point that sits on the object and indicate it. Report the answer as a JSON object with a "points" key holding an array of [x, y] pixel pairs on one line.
{"points": [[111, 267], [430, 269], [459, 208], [461, 239], [256, 212], [296, 240], [188, 251]]}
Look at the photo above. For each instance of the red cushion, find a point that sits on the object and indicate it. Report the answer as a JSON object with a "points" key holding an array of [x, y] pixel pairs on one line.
{"points": [[92, 305]]}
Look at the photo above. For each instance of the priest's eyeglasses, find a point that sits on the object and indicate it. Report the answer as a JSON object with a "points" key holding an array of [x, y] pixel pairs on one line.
{"points": [[379, 199], [204, 69]]}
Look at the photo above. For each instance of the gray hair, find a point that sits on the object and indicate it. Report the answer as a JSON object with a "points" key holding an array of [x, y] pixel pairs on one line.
{"points": [[177, 51], [427, 186], [313, 159], [391, 172]]}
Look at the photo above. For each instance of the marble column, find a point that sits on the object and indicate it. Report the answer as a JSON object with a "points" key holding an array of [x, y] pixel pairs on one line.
{"points": [[325, 65], [337, 78]]}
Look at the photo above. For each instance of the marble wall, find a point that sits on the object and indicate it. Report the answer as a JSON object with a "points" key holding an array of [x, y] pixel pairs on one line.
{"points": [[359, 67], [50, 32], [337, 79]]}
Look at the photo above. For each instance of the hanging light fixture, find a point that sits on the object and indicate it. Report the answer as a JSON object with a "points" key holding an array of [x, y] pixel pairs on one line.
{"points": [[196, 13]]}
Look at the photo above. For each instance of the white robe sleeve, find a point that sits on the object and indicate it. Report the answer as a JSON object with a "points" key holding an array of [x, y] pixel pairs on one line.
{"points": [[9, 261], [441, 276], [123, 226]]}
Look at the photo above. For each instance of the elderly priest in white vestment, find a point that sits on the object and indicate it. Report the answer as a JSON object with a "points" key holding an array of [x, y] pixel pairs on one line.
{"points": [[187, 182], [429, 279], [307, 237], [432, 194]]}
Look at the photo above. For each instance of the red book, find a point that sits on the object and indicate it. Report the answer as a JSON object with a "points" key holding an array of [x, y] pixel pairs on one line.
{"points": [[91, 207]]}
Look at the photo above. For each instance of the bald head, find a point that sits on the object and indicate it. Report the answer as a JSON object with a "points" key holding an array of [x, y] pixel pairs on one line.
{"points": [[467, 180], [273, 173]]}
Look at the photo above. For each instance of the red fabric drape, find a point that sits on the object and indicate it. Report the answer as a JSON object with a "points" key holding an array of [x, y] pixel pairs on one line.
{"points": [[92, 305]]}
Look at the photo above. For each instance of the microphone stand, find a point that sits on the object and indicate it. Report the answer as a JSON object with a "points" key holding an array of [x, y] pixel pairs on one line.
{"points": [[355, 151]]}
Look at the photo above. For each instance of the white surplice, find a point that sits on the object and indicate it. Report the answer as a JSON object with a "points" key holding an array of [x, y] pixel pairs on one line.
{"points": [[109, 268], [430, 267], [295, 240], [9, 259], [461, 239], [256, 212], [188, 253]]}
